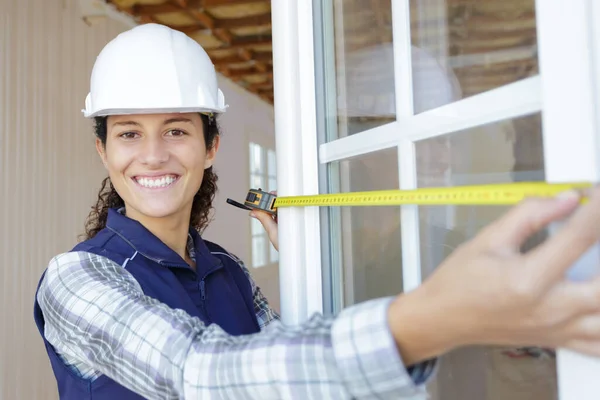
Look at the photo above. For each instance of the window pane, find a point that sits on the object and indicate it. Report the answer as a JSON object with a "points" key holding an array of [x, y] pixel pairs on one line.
{"points": [[256, 162], [364, 65], [274, 254], [368, 237], [272, 163], [272, 185], [462, 48], [507, 151], [259, 251], [257, 181], [256, 227]]}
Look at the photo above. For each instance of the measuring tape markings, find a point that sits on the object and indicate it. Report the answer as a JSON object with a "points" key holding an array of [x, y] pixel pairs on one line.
{"points": [[494, 194]]}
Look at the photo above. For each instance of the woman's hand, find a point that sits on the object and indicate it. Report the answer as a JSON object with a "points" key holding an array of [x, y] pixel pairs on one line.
{"points": [[269, 222], [489, 293]]}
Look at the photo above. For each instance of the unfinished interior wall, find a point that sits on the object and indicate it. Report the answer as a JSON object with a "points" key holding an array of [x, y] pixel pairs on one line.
{"points": [[50, 173], [248, 119]]}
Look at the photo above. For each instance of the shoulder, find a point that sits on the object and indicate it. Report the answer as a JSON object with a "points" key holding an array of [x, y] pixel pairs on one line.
{"points": [[99, 240], [105, 243], [220, 252], [77, 270]]}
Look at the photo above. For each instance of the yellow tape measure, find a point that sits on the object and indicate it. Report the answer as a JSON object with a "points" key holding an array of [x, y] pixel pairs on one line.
{"points": [[493, 194]]}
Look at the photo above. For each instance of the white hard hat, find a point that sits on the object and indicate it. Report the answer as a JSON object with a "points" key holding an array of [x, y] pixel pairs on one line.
{"points": [[153, 69]]}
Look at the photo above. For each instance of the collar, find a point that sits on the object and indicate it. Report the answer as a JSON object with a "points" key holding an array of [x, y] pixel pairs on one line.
{"points": [[148, 245]]}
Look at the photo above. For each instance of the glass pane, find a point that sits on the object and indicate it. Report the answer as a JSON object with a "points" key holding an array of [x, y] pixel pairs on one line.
{"points": [[507, 151], [259, 251], [257, 181], [462, 48], [272, 163], [369, 237], [272, 185], [255, 227], [274, 254], [364, 65], [256, 162]]}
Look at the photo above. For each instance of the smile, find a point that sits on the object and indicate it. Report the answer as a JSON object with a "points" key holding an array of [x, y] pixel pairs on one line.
{"points": [[156, 182]]}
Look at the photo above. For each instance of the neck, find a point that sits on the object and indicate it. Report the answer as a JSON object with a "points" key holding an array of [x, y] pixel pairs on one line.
{"points": [[172, 230]]}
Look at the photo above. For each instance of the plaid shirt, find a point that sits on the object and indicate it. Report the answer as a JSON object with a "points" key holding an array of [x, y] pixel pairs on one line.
{"points": [[100, 322]]}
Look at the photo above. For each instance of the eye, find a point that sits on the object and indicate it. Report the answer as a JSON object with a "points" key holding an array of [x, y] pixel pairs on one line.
{"points": [[128, 135], [175, 132]]}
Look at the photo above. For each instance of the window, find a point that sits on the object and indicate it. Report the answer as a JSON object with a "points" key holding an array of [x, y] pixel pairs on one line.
{"points": [[263, 175]]}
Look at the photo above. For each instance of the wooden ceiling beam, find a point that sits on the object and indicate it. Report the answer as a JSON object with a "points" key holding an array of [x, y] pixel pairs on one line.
{"points": [[244, 22], [260, 86], [202, 17], [151, 9], [248, 71], [247, 42], [217, 3], [248, 55], [259, 62], [223, 35], [262, 56]]}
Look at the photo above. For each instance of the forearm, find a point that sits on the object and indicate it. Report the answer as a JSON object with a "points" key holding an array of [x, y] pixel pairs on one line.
{"points": [[352, 356], [164, 353], [422, 327]]}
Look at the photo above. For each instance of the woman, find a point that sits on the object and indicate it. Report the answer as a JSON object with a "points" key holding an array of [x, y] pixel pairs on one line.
{"points": [[145, 308]]}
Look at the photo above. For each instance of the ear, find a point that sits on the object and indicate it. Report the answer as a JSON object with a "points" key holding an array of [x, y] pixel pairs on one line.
{"points": [[211, 154], [101, 151]]}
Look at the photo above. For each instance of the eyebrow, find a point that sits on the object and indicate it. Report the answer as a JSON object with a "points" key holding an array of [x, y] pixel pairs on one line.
{"points": [[121, 123], [165, 122], [177, 119]]}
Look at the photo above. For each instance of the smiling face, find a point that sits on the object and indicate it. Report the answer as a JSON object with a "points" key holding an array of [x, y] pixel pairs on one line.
{"points": [[156, 162]]}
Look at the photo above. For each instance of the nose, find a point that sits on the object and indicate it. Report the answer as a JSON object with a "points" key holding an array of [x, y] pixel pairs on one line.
{"points": [[154, 151]]}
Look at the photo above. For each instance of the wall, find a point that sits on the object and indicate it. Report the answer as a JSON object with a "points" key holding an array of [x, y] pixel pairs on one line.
{"points": [[50, 172], [248, 119]]}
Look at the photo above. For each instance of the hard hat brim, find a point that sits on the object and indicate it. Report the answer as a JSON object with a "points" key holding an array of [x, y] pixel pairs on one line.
{"points": [[134, 111]]}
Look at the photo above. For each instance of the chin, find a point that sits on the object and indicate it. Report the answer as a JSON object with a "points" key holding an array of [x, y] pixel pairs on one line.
{"points": [[150, 210]]}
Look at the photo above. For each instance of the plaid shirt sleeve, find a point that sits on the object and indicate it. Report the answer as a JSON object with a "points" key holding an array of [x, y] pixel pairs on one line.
{"points": [[97, 314], [419, 373]]}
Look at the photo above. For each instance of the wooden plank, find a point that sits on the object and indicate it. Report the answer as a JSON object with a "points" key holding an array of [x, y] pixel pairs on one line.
{"points": [[250, 41], [151, 9], [249, 71], [244, 22], [216, 3], [263, 56]]}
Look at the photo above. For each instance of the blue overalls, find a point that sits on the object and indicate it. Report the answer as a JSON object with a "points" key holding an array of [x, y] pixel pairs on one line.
{"points": [[218, 292]]}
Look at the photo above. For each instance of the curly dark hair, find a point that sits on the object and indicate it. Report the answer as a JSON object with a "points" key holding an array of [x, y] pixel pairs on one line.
{"points": [[109, 198]]}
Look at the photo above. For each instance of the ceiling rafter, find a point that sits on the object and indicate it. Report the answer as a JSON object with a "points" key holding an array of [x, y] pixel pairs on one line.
{"points": [[237, 37], [235, 33]]}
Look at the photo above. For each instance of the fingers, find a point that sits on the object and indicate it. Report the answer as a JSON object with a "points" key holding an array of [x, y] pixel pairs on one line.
{"points": [[589, 347], [270, 224], [264, 218], [586, 328], [560, 251], [509, 232], [571, 300]]}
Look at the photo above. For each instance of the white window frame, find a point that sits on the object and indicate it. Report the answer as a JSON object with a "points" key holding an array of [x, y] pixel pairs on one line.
{"points": [[266, 174], [567, 91], [297, 158]]}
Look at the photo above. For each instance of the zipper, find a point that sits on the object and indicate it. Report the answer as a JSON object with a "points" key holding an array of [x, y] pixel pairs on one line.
{"points": [[203, 301], [202, 290]]}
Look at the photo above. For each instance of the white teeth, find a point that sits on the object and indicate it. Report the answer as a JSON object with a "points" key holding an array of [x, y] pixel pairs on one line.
{"points": [[155, 183]]}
